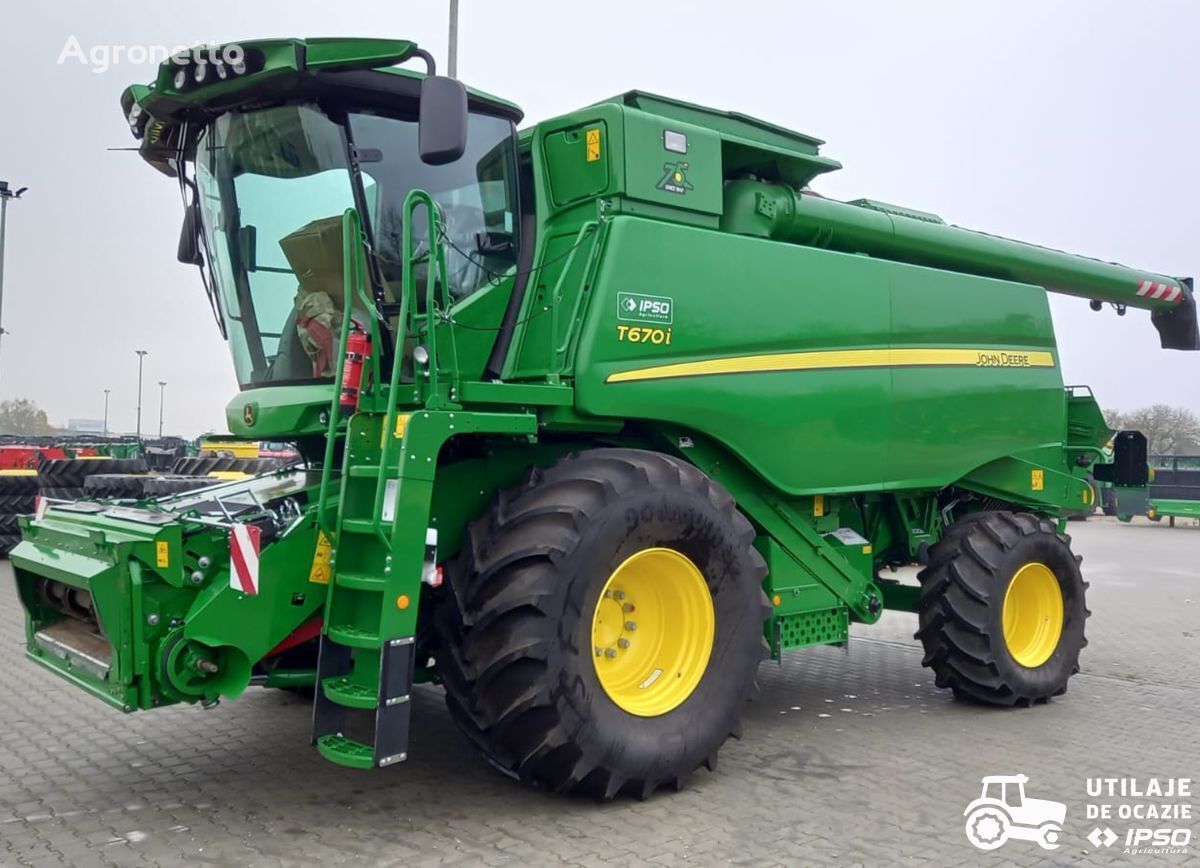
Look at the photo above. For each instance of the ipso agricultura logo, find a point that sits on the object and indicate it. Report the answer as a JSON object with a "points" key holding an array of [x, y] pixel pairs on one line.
{"points": [[102, 57], [638, 307], [1153, 816]]}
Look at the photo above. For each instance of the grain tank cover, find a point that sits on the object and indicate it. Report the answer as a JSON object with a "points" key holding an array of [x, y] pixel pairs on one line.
{"points": [[748, 145]]}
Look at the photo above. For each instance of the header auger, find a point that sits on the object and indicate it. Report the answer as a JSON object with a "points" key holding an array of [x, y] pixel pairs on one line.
{"points": [[596, 415]]}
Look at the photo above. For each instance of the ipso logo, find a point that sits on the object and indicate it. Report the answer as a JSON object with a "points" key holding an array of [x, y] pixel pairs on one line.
{"points": [[102, 58], [636, 307], [1155, 806]]}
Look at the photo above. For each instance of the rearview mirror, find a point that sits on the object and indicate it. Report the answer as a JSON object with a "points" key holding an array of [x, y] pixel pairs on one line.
{"points": [[189, 239], [442, 133]]}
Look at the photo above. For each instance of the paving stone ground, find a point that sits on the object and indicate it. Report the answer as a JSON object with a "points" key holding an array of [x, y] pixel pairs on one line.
{"points": [[849, 757]]}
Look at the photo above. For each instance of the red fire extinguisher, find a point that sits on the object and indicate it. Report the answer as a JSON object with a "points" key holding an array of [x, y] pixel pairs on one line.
{"points": [[358, 347]]}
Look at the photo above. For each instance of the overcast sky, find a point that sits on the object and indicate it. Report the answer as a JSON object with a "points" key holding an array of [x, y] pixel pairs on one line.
{"points": [[1070, 124]]}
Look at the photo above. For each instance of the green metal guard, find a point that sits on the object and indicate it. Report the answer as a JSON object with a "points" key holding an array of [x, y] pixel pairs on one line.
{"points": [[559, 352], [437, 271], [352, 286]]}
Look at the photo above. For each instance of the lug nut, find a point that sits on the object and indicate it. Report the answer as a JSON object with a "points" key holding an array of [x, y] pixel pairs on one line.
{"points": [[620, 595], [624, 643], [610, 652], [628, 607], [630, 626], [599, 651]]}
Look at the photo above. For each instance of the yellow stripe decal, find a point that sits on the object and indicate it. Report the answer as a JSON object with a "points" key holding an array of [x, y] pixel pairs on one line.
{"points": [[876, 358]]}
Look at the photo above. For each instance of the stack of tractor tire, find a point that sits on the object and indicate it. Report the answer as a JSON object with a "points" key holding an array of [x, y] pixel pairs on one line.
{"points": [[66, 478], [115, 486], [203, 465], [165, 486], [18, 494]]}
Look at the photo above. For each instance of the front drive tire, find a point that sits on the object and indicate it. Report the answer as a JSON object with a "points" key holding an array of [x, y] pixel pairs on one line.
{"points": [[540, 602], [1001, 612]]}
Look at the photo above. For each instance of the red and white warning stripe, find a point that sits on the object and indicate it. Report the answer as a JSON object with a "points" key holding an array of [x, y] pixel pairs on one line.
{"points": [[1163, 291], [244, 543]]}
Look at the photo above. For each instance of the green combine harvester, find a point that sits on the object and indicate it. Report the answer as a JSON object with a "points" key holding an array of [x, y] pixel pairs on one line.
{"points": [[596, 415]]}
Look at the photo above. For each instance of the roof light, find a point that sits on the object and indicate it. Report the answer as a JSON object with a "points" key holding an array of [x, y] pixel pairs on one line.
{"points": [[181, 78]]}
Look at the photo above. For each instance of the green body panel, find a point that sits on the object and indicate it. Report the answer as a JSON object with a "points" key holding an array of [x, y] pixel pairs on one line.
{"points": [[827, 627], [278, 411], [254, 624], [1176, 508], [1131, 501], [159, 582], [831, 429], [748, 145], [1030, 483], [112, 561]]}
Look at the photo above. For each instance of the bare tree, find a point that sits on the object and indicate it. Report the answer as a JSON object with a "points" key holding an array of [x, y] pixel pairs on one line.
{"points": [[1169, 430], [22, 416]]}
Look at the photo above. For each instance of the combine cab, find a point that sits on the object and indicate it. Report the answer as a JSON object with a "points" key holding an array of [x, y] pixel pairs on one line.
{"points": [[595, 415]]}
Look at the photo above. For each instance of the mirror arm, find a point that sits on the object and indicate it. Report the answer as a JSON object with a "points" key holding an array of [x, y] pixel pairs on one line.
{"points": [[430, 66]]}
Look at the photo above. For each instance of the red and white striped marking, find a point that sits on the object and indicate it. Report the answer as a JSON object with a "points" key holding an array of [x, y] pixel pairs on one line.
{"points": [[1161, 291], [244, 543]]}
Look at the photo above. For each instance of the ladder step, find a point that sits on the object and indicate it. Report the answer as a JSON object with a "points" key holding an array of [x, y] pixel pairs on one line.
{"points": [[370, 471], [346, 752], [345, 692], [354, 637], [359, 581], [358, 525]]}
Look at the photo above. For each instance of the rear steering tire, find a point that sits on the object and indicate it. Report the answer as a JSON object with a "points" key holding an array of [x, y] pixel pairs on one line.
{"points": [[1001, 612], [541, 666]]}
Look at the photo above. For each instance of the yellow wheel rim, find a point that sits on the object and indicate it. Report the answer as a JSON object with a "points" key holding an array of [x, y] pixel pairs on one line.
{"points": [[652, 632], [1033, 615]]}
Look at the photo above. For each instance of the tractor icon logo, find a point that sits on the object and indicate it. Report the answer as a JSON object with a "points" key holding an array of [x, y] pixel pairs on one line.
{"points": [[1002, 812]]}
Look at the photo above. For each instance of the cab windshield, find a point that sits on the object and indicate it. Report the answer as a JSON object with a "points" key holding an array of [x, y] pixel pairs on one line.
{"points": [[273, 185]]}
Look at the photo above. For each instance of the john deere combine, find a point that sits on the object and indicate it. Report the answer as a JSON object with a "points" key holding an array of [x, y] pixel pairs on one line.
{"points": [[596, 415]]}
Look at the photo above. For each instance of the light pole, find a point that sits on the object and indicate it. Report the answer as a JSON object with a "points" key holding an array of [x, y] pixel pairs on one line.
{"points": [[162, 387], [5, 195], [141, 354], [452, 54], [106, 391]]}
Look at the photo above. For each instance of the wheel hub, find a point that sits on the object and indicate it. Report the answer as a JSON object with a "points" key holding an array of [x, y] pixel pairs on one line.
{"points": [[652, 632], [1032, 615]]}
